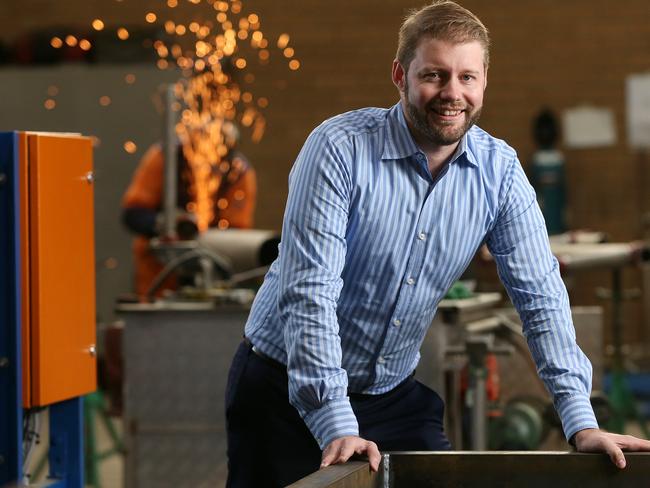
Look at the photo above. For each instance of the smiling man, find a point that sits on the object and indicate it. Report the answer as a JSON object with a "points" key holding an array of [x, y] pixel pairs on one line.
{"points": [[386, 209], [441, 92]]}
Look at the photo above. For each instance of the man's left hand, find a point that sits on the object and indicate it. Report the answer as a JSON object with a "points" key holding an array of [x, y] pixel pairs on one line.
{"points": [[595, 440]]}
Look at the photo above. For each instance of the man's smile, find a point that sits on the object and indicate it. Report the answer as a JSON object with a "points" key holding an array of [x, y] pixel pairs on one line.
{"points": [[446, 114]]}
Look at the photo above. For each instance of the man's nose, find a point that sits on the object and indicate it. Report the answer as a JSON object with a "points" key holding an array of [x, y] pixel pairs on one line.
{"points": [[451, 90]]}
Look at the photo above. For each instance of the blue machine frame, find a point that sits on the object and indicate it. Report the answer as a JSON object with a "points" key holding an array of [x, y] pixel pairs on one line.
{"points": [[66, 418]]}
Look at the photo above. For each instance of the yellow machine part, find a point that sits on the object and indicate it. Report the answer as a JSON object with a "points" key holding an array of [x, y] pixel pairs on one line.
{"points": [[58, 267]]}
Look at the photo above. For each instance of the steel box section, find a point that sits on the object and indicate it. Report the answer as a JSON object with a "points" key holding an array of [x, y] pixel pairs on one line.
{"points": [[503, 469]]}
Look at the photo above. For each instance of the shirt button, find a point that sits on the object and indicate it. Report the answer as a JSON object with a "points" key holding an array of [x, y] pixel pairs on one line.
{"points": [[381, 360], [422, 236], [397, 322], [411, 281]]}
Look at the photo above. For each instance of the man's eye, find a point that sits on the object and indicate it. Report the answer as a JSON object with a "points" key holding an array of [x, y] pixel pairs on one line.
{"points": [[432, 76], [467, 77]]}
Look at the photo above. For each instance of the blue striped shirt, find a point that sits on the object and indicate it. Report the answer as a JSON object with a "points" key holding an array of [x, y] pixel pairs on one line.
{"points": [[370, 245]]}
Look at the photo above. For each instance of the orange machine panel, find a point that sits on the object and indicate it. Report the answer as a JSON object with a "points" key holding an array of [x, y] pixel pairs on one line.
{"points": [[61, 267]]}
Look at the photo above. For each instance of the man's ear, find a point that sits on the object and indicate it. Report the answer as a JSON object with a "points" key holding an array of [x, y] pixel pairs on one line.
{"points": [[485, 79], [398, 75]]}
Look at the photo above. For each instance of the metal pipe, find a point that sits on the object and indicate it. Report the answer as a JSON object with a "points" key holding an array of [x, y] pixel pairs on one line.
{"points": [[170, 144], [479, 410]]}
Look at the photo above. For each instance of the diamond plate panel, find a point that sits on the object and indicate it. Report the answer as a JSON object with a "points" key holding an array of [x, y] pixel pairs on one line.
{"points": [[176, 366]]}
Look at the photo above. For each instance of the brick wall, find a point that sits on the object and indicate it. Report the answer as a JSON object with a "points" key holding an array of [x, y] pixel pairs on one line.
{"points": [[552, 53]]}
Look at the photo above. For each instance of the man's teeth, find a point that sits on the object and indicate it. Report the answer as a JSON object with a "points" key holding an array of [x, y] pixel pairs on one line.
{"points": [[449, 112]]}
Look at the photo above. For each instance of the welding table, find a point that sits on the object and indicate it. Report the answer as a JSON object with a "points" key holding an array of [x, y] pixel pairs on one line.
{"points": [[484, 470]]}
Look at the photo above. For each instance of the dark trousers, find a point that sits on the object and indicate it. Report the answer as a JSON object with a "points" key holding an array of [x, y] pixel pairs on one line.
{"points": [[269, 445]]}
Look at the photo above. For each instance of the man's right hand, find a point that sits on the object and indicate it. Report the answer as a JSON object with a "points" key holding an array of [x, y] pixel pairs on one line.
{"points": [[340, 450]]}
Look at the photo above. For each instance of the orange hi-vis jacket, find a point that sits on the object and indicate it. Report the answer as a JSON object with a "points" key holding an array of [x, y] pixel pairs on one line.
{"points": [[233, 204]]}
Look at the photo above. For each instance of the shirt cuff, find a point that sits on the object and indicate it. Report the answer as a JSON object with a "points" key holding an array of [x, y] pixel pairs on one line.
{"points": [[576, 414], [333, 420]]}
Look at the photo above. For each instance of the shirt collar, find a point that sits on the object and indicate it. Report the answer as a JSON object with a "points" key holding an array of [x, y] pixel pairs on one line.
{"points": [[399, 142], [463, 152]]}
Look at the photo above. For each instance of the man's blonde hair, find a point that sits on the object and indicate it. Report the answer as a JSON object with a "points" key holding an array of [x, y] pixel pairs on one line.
{"points": [[444, 20]]}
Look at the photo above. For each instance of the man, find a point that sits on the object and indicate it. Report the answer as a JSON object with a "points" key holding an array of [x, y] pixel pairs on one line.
{"points": [[386, 209], [232, 193]]}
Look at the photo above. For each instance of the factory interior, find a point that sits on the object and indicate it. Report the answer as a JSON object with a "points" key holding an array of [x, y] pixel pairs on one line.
{"points": [[145, 151]]}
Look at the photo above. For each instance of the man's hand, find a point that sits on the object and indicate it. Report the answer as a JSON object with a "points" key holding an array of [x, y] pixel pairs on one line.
{"points": [[341, 449], [595, 440]]}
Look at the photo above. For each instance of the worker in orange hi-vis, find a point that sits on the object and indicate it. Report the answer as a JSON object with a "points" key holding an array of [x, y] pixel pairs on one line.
{"points": [[213, 192]]}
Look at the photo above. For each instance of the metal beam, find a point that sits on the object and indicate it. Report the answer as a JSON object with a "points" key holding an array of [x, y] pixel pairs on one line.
{"points": [[532, 469], [354, 474]]}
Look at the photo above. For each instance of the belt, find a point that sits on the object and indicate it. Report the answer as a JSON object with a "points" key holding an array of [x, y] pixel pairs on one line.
{"points": [[267, 359], [362, 396], [278, 365]]}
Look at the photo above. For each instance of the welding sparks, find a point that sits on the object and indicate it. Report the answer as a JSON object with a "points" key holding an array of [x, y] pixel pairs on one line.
{"points": [[215, 50], [130, 147], [283, 41]]}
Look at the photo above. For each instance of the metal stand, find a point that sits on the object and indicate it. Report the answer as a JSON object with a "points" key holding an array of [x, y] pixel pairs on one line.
{"points": [[11, 414], [477, 347], [620, 396], [95, 407]]}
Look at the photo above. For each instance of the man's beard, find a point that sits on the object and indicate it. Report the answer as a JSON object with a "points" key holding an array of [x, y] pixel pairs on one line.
{"points": [[439, 135]]}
